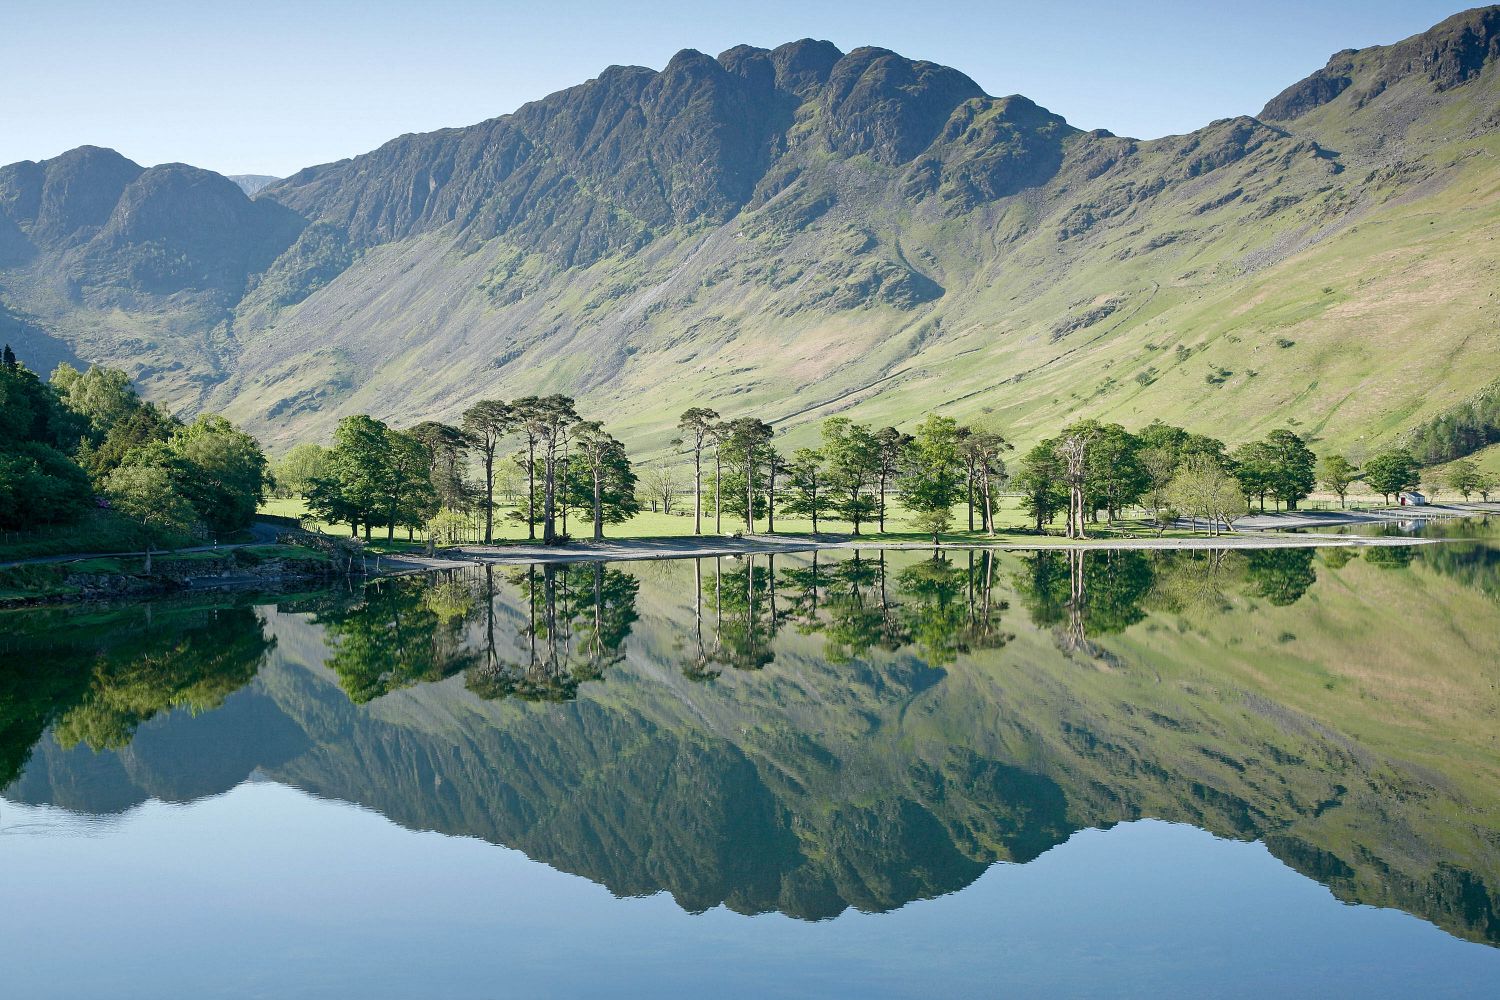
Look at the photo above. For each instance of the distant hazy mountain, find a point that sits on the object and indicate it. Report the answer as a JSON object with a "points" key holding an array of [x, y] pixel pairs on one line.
{"points": [[251, 183], [796, 231]]}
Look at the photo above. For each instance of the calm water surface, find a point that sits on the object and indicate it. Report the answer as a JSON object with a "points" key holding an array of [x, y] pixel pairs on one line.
{"points": [[1181, 774]]}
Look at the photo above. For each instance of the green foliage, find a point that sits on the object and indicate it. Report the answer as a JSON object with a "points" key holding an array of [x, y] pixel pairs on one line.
{"points": [[485, 424], [1116, 477], [933, 477], [148, 494], [297, 470], [166, 476], [1092, 594], [547, 422], [698, 427], [374, 475], [1042, 484], [1460, 430], [985, 470], [1464, 477], [1205, 489], [745, 446], [1254, 470], [853, 456], [39, 484], [575, 622], [395, 637], [1390, 472], [1281, 575], [102, 396], [1337, 474], [447, 526], [807, 494], [221, 471], [599, 479], [138, 429], [96, 678], [1281, 467]]}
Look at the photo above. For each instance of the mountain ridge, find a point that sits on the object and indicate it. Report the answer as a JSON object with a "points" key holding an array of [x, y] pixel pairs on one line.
{"points": [[771, 229]]}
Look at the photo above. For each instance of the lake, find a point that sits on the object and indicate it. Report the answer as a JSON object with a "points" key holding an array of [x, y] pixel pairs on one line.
{"points": [[1238, 773]]}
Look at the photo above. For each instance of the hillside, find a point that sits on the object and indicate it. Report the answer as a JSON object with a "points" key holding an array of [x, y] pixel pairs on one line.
{"points": [[798, 231]]}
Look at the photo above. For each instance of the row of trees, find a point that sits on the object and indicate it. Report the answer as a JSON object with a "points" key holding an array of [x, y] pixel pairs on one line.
{"points": [[851, 477], [1093, 469], [86, 440], [88, 434], [376, 475], [550, 461]]}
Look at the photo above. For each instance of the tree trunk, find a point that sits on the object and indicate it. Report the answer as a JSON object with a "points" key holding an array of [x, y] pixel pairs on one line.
{"points": [[698, 490], [489, 495], [531, 489], [549, 498], [880, 514], [750, 497], [598, 509], [771, 498], [718, 494]]}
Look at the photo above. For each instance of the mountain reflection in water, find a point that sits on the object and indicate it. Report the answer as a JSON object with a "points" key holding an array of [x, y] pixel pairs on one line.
{"points": [[810, 733]]}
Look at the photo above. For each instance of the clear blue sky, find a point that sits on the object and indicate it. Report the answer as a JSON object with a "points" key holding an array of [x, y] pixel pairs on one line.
{"points": [[268, 86]]}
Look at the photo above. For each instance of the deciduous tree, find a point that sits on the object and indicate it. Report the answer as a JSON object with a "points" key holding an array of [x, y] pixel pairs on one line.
{"points": [[852, 454], [1392, 471], [1463, 477], [933, 477], [1338, 473]]}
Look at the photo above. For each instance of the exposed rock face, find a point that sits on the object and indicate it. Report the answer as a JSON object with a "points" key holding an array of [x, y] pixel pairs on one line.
{"points": [[1450, 54], [64, 201], [607, 165]]}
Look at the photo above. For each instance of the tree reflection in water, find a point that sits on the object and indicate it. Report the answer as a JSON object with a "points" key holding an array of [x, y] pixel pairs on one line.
{"points": [[578, 616], [96, 678], [886, 758]]}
